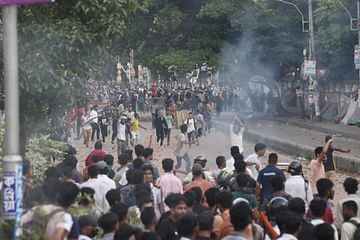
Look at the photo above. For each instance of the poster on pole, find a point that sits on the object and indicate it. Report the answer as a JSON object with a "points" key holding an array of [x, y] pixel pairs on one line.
{"points": [[24, 2], [357, 56], [309, 68]]}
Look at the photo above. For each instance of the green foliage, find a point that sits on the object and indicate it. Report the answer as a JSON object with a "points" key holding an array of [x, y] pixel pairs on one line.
{"points": [[61, 45], [41, 152]]}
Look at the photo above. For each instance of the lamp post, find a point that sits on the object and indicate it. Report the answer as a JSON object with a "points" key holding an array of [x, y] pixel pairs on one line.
{"points": [[357, 28], [311, 57]]}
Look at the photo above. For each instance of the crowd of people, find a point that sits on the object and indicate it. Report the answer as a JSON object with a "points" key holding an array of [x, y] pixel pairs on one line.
{"points": [[137, 199]]}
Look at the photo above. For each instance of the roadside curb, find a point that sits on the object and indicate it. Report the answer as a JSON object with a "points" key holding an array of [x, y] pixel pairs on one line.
{"points": [[351, 164]]}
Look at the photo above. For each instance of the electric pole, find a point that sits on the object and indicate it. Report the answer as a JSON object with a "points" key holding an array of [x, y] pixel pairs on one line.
{"points": [[312, 57]]}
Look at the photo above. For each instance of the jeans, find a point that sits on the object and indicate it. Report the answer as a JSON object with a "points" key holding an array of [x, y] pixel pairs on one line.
{"points": [[95, 128], [191, 137], [121, 146], [187, 161], [168, 133]]}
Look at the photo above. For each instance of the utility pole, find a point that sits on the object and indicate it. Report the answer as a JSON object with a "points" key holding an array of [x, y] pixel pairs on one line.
{"points": [[12, 162], [312, 57]]}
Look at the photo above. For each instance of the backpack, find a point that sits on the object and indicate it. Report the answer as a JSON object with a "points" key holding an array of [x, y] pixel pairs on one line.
{"points": [[356, 235], [38, 223]]}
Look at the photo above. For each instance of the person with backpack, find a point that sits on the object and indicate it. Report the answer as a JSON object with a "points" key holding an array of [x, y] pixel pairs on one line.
{"points": [[350, 229], [51, 219]]}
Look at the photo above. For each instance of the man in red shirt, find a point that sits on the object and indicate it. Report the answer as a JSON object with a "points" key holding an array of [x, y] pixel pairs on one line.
{"points": [[198, 179], [96, 152]]}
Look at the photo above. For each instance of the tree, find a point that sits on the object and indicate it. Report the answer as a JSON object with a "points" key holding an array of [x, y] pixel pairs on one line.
{"points": [[61, 45]]}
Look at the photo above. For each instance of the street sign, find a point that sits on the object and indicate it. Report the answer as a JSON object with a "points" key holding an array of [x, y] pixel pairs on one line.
{"points": [[11, 2], [310, 68], [357, 56]]}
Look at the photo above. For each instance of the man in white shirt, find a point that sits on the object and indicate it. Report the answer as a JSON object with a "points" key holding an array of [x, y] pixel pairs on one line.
{"points": [[94, 123], [121, 136], [59, 197], [349, 214], [296, 185], [156, 195], [289, 224], [191, 128], [103, 171], [351, 187], [100, 188], [318, 208], [236, 134], [254, 160]]}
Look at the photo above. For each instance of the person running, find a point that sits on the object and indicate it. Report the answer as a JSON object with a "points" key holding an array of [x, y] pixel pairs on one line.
{"points": [[104, 122], [191, 128], [135, 129], [169, 121], [121, 135], [161, 127], [94, 123], [86, 128], [181, 150]]}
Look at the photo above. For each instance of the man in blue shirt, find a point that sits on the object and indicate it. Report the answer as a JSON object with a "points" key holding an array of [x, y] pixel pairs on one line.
{"points": [[264, 186]]}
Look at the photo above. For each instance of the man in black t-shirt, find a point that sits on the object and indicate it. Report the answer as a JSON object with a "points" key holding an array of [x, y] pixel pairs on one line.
{"points": [[167, 229], [329, 164]]}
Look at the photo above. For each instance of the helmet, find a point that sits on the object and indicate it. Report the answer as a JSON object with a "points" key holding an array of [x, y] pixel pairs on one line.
{"points": [[223, 179], [276, 205], [201, 159], [295, 167]]}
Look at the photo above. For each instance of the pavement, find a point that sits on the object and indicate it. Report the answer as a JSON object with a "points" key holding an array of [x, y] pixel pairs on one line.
{"points": [[299, 137]]}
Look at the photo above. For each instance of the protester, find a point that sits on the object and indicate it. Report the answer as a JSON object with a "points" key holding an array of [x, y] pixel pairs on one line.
{"points": [[318, 209], [181, 150], [99, 187], [296, 185], [167, 228], [108, 223], [198, 180], [352, 222], [241, 219], [351, 188], [265, 176], [98, 152], [254, 160], [168, 182], [316, 165], [329, 164]]}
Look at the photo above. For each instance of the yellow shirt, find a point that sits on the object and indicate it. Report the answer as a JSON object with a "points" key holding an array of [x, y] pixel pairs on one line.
{"points": [[134, 125]]}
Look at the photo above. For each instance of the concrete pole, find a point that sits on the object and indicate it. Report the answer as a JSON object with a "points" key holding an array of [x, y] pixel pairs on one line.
{"points": [[312, 57], [12, 162]]}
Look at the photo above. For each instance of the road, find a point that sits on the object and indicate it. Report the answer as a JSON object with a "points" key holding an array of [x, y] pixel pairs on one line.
{"points": [[214, 144]]}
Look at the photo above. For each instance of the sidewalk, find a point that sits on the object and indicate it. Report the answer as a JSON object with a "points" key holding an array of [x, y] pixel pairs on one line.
{"points": [[299, 138], [325, 126]]}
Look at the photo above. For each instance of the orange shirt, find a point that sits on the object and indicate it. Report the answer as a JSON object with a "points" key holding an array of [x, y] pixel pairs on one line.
{"points": [[203, 184]]}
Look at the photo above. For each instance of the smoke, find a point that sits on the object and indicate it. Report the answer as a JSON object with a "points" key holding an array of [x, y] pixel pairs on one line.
{"points": [[240, 60]]}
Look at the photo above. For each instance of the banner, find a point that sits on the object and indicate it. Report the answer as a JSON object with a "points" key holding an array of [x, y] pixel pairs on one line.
{"points": [[357, 56], [309, 68]]}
